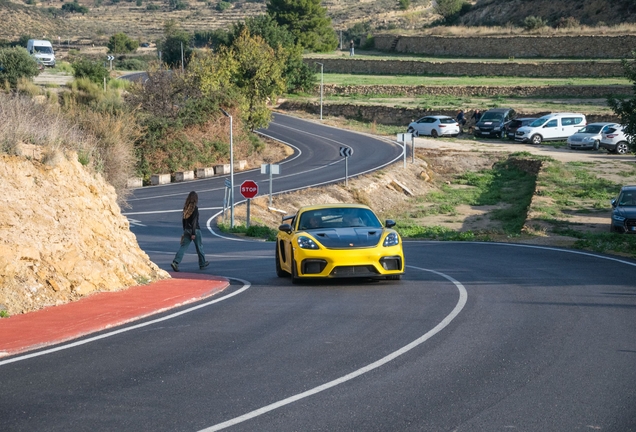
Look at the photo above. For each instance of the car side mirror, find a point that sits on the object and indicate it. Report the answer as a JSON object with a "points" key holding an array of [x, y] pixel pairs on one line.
{"points": [[389, 223], [613, 202], [285, 227]]}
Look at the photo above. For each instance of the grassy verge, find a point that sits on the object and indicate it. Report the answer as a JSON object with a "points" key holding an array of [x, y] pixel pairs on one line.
{"points": [[508, 186], [410, 80], [254, 231]]}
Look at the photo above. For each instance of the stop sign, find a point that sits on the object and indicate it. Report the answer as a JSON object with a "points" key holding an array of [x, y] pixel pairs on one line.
{"points": [[249, 189]]}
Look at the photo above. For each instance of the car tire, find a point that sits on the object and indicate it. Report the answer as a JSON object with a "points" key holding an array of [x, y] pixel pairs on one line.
{"points": [[279, 271], [294, 273], [502, 134], [596, 145], [621, 148], [434, 133], [394, 277], [536, 139]]}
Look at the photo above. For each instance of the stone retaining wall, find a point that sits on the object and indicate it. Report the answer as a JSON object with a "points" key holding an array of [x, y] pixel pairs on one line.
{"points": [[566, 69], [398, 116], [511, 46], [474, 91]]}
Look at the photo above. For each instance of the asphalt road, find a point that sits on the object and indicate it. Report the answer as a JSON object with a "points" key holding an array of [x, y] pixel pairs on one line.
{"points": [[476, 337]]}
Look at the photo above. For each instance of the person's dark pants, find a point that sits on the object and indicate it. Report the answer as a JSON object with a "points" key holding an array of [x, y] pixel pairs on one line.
{"points": [[185, 242]]}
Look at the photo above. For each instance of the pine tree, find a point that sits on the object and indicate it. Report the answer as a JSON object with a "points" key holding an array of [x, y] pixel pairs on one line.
{"points": [[307, 20]]}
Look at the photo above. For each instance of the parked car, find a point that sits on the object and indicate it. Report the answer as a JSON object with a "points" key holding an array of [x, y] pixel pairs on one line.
{"points": [[493, 122], [614, 140], [551, 127], [511, 128], [589, 137], [624, 212], [338, 241], [434, 126]]}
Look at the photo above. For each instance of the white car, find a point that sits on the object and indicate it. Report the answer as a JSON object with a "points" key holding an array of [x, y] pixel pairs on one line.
{"points": [[615, 140], [589, 136], [434, 126], [551, 127]]}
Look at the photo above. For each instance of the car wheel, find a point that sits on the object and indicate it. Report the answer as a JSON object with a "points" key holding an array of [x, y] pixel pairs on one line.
{"points": [[502, 134], [621, 148], [394, 277], [434, 133], [279, 271], [536, 139], [596, 145], [294, 274]]}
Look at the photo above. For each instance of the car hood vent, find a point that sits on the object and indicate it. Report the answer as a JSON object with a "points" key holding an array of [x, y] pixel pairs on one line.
{"points": [[344, 238]]}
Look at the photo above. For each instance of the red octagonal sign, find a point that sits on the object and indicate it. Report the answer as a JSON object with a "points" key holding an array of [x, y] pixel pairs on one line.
{"points": [[249, 189]]}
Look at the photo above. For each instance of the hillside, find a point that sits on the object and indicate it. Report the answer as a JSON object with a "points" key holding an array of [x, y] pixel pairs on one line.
{"points": [[143, 19]]}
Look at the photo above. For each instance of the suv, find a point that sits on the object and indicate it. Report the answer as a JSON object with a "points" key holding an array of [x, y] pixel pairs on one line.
{"points": [[551, 127], [624, 212], [615, 140], [493, 122]]}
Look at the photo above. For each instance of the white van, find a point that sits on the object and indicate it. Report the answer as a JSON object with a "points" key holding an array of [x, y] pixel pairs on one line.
{"points": [[551, 127], [42, 50]]}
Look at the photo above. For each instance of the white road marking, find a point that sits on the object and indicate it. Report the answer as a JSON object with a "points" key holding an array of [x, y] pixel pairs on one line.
{"points": [[463, 297], [126, 329]]}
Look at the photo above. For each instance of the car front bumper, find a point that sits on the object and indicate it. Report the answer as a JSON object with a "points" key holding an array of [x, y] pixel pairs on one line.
{"points": [[341, 263]]}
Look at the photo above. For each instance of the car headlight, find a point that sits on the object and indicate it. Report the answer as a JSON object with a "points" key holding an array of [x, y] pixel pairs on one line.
{"points": [[476, 128], [618, 218], [497, 128], [391, 240], [307, 243]]}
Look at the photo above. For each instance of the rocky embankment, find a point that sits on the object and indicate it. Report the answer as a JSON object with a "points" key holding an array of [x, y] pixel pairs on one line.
{"points": [[62, 235]]}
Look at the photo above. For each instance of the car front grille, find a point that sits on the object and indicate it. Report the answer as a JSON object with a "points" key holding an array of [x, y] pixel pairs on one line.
{"points": [[354, 271]]}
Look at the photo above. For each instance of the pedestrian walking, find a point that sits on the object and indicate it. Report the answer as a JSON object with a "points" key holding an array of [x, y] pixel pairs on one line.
{"points": [[477, 116], [191, 232], [351, 48]]}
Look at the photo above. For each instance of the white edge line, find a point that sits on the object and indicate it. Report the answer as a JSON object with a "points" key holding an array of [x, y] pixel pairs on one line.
{"points": [[126, 329], [463, 297]]}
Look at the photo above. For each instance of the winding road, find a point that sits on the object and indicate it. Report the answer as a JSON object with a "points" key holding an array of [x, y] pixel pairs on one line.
{"points": [[476, 336]]}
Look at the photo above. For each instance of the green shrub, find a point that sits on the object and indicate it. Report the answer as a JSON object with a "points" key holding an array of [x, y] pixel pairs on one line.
{"points": [[93, 70], [74, 7], [152, 7], [132, 64], [222, 5], [534, 22], [120, 43], [404, 4], [16, 63]]}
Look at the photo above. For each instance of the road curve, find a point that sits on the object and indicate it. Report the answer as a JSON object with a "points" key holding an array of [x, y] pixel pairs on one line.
{"points": [[477, 336]]}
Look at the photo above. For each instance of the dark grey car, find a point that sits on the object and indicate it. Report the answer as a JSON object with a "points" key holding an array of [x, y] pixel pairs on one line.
{"points": [[624, 212], [493, 122]]}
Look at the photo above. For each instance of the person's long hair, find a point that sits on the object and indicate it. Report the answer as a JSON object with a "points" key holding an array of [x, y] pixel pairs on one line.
{"points": [[190, 204]]}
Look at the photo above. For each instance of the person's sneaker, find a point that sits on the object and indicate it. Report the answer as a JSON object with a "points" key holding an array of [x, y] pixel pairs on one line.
{"points": [[207, 263], [175, 266]]}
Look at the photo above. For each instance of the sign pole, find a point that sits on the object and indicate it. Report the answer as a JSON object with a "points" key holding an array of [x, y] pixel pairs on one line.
{"points": [[247, 221], [412, 149], [271, 179]]}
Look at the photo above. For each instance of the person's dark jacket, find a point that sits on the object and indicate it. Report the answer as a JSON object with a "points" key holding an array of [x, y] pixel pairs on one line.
{"points": [[192, 223]]}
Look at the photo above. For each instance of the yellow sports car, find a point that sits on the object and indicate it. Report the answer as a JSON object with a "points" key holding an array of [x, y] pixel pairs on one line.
{"points": [[338, 241]]}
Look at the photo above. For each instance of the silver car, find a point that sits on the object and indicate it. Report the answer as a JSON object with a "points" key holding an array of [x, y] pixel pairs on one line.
{"points": [[590, 136], [615, 140], [437, 125]]}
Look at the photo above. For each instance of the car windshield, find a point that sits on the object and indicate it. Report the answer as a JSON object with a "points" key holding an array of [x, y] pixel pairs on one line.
{"points": [[43, 49], [338, 217], [627, 198], [591, 129], [539, 122], [446, 120], [491, 117]]}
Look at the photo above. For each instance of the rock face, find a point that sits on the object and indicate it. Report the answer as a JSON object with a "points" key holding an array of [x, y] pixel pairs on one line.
{"points": [[62, 235]]}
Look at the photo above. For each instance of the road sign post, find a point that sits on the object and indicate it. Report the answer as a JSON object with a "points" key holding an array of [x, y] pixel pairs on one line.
{"points": [[345, 152], [110, 59], [270, 169], [249, 189], [403, 138]]}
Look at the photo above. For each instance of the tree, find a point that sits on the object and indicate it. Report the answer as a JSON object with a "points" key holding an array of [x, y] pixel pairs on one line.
{"points": [[307, 20], [93, 70], [625, 109], [16, 63], [251, 67], [448, 8], [175, 40], [120, 43]]}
